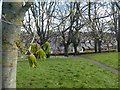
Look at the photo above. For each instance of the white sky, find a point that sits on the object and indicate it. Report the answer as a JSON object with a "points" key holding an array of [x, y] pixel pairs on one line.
{"points": [[0, 8], [102, 11]]}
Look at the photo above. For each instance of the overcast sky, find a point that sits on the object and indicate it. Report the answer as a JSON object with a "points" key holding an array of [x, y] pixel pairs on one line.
{"points": [[0, 8], [101, 10]]}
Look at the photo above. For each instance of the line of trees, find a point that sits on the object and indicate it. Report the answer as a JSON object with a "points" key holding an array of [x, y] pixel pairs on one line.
{"points": [[70, 18]]}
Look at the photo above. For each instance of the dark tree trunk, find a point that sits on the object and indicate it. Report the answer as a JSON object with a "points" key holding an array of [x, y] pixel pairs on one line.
{"points": [[75, 49], [108, 47], [66, 50], [95, 42], [99, 46]]}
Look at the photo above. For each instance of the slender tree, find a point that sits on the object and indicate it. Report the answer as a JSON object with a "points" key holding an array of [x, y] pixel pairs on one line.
{"points": [[12, 13], [118, 32], [1, 46], [42, 14]]}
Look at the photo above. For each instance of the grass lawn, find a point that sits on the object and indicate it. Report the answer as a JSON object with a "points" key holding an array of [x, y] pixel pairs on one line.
{"points": [[110, 59], [57, 72]]}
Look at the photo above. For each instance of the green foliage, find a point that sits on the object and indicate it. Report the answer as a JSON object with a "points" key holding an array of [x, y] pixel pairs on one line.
{"points": [[35, 47], [60, 72], [50, 30], [41, 54], [32, 60], [62, 38], [20, 47], [46, 48], [72, 11]]}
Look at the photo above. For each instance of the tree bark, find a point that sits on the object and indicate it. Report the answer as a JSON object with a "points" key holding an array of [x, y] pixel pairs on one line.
{"points": [[99, 46], [1, 46], [95, 42], [9, 55], [66, 50], [108, 47], [118, 38], [13, 12], [75, 49]]}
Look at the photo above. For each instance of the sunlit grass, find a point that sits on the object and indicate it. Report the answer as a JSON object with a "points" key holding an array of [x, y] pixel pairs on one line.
{"points": [[110, 59], [57, 72]]}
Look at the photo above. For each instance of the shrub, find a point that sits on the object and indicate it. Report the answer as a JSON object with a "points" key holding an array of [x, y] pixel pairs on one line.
{"points": [[32, 60], [41, 54], [46, 48]]}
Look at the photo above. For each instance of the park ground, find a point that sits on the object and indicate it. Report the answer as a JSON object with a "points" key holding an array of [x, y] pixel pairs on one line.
{"points": [[69, 72]]}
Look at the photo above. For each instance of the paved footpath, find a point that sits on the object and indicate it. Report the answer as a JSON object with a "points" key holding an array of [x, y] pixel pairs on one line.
{"points": [[113, 70]]}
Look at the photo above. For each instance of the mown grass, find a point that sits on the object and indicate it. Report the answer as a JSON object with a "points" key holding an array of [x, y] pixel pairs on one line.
{"points": [[110, 59], [57, 72]]}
